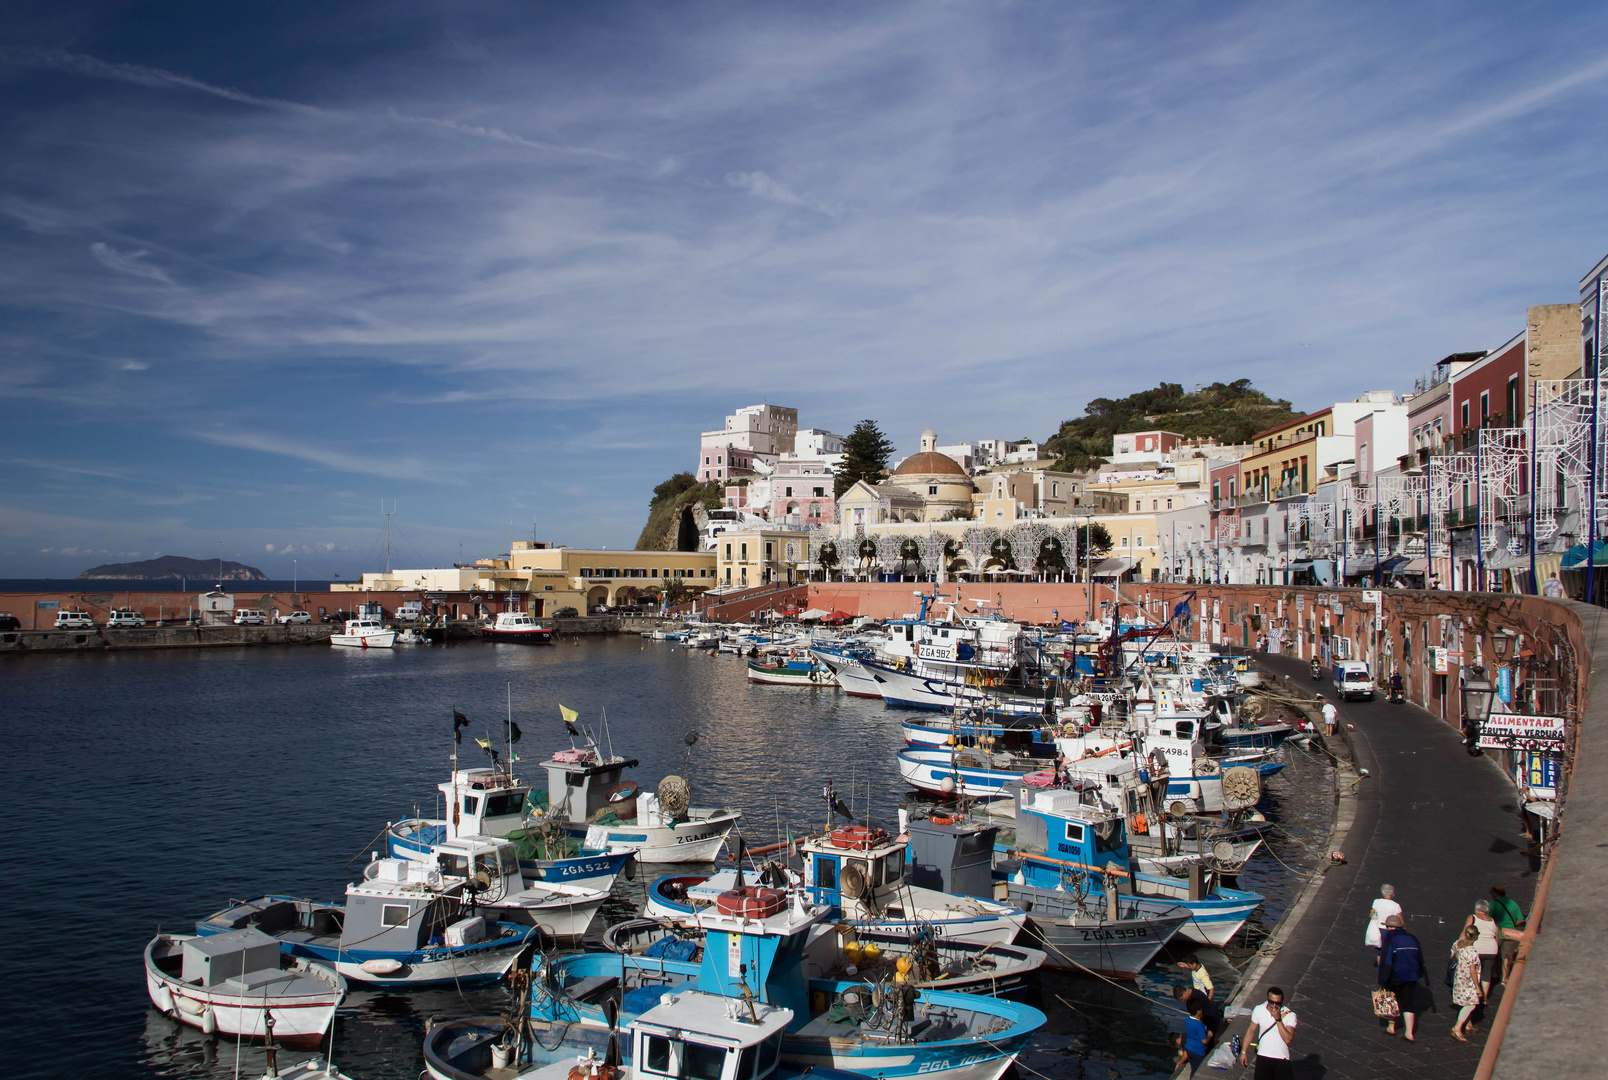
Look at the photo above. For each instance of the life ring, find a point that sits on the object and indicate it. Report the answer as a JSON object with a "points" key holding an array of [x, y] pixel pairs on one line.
{"points": [[751, 902], [601, 1072], [943, 819], [857, 837]]}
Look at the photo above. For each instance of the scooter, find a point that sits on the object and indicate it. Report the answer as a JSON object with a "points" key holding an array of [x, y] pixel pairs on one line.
{"points": [[1317, 671], [1396, 696]]}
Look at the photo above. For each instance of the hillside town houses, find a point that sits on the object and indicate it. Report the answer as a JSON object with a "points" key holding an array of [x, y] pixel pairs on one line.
{"points": [[1480, 477]]}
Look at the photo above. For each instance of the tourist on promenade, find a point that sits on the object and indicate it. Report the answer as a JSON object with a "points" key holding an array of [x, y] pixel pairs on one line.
{"points": [[1488, 944], [1190, 997], [1508, 916], [1383, 908], [1401, 969], [1271, 1031], [1329, 716], [1466, 982], [1198, 975]]}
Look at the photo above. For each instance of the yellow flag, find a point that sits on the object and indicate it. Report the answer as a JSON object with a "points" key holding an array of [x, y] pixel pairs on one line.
{"points": [[570, 715], [484, 745]]}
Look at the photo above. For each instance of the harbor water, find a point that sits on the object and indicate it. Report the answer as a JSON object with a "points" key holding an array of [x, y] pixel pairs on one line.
{"points": [[148, 789]]}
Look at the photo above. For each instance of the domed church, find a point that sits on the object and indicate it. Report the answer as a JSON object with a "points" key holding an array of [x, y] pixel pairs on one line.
{"points": [[936, 479]]}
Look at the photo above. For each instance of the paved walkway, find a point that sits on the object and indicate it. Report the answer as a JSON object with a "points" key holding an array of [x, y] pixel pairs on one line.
{"points": [[1439, 825]]}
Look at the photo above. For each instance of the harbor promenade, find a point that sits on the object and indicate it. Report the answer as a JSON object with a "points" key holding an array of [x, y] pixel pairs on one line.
{"points": [[1439, 825]]}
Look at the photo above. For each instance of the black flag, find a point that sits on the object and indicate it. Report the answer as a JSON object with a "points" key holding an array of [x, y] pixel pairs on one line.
{"points": [[459, 722], [838, 807], [513, 732]]}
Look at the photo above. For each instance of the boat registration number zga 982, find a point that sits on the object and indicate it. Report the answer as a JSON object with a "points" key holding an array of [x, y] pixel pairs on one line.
{"points": [[1114, 935]]}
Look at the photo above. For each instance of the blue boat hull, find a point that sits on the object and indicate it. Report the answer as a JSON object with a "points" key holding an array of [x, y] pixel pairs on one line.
{"points": [[593, 869]]}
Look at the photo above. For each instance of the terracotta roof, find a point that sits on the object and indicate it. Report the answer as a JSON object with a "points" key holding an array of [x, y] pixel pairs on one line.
{"points": [[929, 464]]}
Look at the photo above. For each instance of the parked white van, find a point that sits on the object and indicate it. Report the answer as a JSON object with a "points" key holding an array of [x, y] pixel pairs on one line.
{"points": [[1352, 679], [74, 620], [125, 617], [250, 617]]}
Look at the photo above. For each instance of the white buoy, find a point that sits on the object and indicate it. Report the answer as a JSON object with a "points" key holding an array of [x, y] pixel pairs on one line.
{"points": [[382, 967]]}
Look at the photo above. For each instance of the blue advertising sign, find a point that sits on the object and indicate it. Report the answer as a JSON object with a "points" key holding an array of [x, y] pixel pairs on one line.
{"points": [[50, 605], [1504, 684], [1540, 771]]}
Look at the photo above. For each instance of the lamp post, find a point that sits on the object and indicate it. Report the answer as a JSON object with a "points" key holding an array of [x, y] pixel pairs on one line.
{"points": [[1477, 694]]}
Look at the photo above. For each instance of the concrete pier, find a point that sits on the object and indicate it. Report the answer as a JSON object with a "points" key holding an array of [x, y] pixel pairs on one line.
{"points": [[104, 639]]}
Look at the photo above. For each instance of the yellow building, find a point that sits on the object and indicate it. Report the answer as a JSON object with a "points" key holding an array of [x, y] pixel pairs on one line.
{"points": [[760, 557], [546, 578]]}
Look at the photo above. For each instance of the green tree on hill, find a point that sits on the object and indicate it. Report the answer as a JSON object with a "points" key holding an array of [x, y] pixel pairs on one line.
{"points": [[1228, 412], [865, 457]]}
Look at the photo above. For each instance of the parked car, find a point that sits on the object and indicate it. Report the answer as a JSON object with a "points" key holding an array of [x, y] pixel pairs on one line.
{"points": [[250, 617], [339, 617], [74, 620], [600, 609], [296, 617], [565, 613], [125, 617], [9, 621]]}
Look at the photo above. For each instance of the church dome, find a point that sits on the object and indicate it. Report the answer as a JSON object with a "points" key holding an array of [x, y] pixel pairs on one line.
{"points": [[929, 463]]}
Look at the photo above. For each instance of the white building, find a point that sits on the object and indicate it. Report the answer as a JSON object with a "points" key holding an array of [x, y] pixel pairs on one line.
{"points": [[764, 431]]}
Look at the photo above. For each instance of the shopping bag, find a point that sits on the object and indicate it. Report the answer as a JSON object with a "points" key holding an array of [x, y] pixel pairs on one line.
{"points": [[1385, 1004], [1221, 1058]]}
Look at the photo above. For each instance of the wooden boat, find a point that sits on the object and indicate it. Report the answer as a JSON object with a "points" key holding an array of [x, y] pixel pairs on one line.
{"points": [[230, 983]]}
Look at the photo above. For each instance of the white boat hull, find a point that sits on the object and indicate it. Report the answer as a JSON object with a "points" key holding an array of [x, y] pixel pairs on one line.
{"points": [[299, 1019], [385, 639], [692, 841]]}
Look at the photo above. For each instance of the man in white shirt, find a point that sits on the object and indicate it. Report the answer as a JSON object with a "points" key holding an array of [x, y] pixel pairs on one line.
{"points": [[1272, 1030], [1383, 908], [1330, 714]]}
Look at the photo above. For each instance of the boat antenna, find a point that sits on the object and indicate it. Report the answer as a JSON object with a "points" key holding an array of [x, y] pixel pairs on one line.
{"points": [[607, 738], [508, 732]]}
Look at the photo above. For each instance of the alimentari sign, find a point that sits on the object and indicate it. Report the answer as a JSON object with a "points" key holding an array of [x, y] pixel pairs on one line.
{"points": [[1507, 731]]}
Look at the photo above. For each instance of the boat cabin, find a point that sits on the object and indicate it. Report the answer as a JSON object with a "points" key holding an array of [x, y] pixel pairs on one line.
{"points": [[950, 855], [1059, 837], [236, 954], [515, 620], [698, 1036], [582, 784], [468, 857], [852, 861], [483, 802], [391, 913]]}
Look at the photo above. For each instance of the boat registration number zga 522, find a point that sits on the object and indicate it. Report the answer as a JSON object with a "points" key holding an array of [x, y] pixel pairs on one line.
{"points": [[693, 838], [585, 869], [1114, 935]]}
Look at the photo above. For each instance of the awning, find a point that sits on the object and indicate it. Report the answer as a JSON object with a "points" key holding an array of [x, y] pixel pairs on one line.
{"points": [[1112, 568], [1576, 556], [815, 613], [1414, 566]]}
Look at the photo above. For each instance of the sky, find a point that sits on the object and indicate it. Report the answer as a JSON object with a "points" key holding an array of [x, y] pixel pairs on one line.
{"points": [[266, 269]]}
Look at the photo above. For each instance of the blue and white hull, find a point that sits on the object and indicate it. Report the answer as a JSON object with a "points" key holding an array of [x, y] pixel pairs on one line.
{"points": [[415, 840]]}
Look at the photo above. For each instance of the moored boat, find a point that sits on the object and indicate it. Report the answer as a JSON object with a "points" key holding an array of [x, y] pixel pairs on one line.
{"points": [[790, 672], [364, 633], [231, 983], [517, 627]]}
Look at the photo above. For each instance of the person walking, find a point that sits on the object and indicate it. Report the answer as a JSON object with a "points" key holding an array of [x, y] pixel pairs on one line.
{"points": [[1383, 908], [1489, 945], [1401, 969], [1508, 916], [1330, 716], [1271, 1030], [1466, 982]]}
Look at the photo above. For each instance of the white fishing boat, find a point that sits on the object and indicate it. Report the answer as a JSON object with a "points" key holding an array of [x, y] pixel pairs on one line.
{"points": [[588, 800], [228, 983], [364, 633]]}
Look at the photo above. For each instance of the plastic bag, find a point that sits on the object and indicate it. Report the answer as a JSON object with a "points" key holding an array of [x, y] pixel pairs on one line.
{"points": [[1221, 1058]]}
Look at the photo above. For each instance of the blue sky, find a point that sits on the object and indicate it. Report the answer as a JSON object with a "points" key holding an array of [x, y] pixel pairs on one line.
{"points": [[263, 266]]}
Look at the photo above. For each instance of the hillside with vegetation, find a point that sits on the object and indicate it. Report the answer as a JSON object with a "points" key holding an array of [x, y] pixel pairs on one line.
{"points": [[664, 531], [1228, 412]]}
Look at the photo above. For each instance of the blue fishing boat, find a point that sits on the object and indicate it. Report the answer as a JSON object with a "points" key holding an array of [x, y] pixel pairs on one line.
{"points": [[758, 945], [1071, 847]]}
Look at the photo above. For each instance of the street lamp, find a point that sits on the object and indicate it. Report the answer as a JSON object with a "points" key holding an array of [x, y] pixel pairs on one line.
{"points": [[1477, 695]]}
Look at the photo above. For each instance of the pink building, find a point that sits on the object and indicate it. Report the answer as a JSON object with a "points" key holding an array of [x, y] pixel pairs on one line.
{"points": [[801, 494], [724, 463]]}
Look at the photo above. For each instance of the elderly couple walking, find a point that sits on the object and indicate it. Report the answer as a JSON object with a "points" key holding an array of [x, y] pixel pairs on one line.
{"points": [[1476, 961]]}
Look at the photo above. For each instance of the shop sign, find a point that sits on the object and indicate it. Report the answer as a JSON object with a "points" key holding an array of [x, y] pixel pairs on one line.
{"points": [[1504, 684], [1515, 731], [49, 605], [1540, 772]]}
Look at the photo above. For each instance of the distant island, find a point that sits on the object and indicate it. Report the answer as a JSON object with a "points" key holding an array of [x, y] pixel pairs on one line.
{"points": [[173, 566]]}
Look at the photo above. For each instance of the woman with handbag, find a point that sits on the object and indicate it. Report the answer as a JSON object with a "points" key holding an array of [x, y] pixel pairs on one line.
{"points": [[1466, 981], [1401, 968]]}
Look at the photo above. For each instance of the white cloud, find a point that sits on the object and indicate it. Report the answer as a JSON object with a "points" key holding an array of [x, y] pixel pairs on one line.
{"points": [[133, 365], [763, 186], [269, 548], [131, 262], [390, 467]]}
